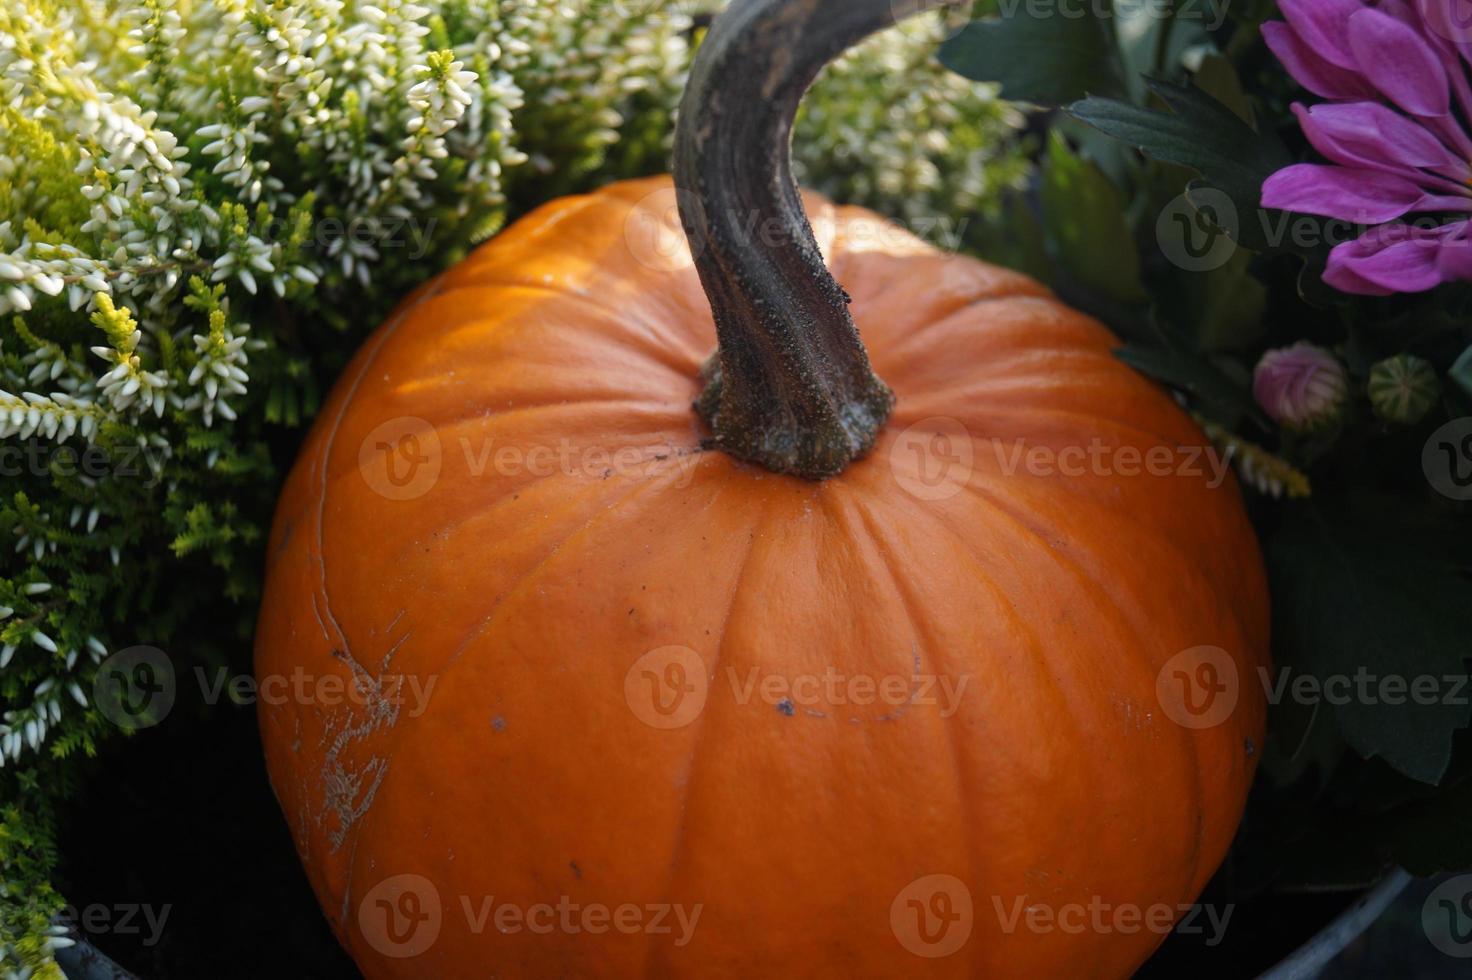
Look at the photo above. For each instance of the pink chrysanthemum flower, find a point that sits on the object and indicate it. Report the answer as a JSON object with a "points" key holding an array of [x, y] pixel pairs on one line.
{"points": [[1396, 128]]}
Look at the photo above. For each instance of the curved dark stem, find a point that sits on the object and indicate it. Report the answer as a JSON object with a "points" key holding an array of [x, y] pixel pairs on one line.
{"points": [[791, 387]]}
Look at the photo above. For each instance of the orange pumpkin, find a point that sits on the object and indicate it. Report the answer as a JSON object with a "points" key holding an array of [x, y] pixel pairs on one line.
{"points": [[577, 682]]}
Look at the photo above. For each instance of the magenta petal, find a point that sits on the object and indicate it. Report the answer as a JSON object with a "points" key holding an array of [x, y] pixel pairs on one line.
{"points": [[1311, 71], [1346, 281], [1392, 258], [1365, 197], [1400, 63], [1455, 261], [1323, 26], [1373, 134]]}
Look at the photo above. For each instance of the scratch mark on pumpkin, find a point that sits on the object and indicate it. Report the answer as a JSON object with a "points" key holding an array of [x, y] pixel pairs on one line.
{"points": [[349, 792], [393, 649]]}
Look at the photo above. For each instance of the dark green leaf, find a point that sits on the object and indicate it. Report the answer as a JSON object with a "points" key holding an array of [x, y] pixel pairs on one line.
{"points": [[1213, 390], [1037, 56], [1217, 77], [1084, 215], [1230, 303], [1430, 836], [1199, 133], [1461, 371], [1361, 592]]}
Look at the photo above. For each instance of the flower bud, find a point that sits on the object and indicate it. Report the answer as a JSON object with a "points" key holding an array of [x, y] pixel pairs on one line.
{"points": [[1403, 388], [1302, 387]]}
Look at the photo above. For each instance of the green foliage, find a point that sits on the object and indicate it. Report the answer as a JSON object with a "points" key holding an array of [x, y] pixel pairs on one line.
{"points": [[28, 903], [206, 204], [1361, 590], [1038, 56]]}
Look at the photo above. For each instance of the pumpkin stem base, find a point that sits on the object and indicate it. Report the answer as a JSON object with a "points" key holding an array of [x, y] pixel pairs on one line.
{"points": [[814, 445]]}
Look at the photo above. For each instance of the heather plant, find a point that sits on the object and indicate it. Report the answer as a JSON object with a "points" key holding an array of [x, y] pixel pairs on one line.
{"points": [[206, 204]]}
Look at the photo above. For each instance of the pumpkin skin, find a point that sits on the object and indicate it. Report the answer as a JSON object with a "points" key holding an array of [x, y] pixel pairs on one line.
{"points": [[1055, 778]]}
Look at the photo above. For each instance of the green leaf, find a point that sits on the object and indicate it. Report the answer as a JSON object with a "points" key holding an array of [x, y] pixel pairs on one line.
{"points": [[1018, 241], [1037, 56], [1217, 77], [1217, 393], [1199, 133], [1430, 837], [1084, 214], [1230, 303], [1461, 371], [1359, 590]]}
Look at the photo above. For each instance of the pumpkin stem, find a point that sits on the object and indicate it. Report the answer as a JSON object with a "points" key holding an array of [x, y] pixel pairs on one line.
{"points": [[790, 387]]}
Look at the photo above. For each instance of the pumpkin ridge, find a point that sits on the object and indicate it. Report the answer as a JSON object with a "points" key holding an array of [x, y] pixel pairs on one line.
{"points": [[492, 504], [355, 827], [963, 784], [667, 350], [651, 948], [1012, 327], [325, 454], [521, 582], [1091, 587], [644, 406], [900, 339], [1094, 587], [398, 729], [964, 544], [1020, 364], [1018, 510], [901, 346], [1087, 422]]}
